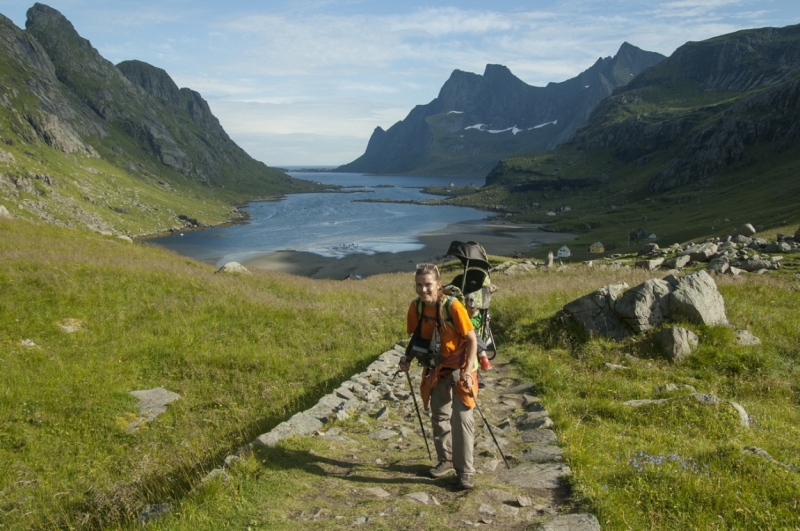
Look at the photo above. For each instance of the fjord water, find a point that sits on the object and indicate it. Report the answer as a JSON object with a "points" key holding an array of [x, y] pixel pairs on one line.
{"points": [[329, 224]]}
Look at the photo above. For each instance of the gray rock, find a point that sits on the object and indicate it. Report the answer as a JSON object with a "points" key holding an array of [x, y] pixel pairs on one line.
{"points": [[518, 389], [571, 522], [383, 435], [594, 313], [542, 423], [542, 436], [152, 512], [697, 300], [420, 497], [644, 306], [778, 247], [233, 267], [679, 262], [535, 475], [152, 403], [649, 265], [742, 239], [701, 252], [531, 420], [542, 454], [718, 265], [675, 387], [756, 264], [485, 509], [647, 248], [640, 403], [676, 343], [744, 230], [4, 212], [746, 339], [377, 492]]}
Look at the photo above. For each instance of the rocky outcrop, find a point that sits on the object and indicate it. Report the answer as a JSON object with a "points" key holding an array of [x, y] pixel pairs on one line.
{"points": [[614, 312]]}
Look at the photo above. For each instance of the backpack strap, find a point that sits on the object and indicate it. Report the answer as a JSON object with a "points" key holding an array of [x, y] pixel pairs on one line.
{"points": [[448, 302]]}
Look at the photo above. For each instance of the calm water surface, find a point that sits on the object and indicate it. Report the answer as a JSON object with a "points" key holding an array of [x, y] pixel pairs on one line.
{"points": [[329, 224]]}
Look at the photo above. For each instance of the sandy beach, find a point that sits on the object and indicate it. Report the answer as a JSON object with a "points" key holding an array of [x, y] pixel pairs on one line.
{"points": [[501, 238]]}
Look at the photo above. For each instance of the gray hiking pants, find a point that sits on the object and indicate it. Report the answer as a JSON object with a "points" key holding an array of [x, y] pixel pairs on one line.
{"points": [[453, 427]]}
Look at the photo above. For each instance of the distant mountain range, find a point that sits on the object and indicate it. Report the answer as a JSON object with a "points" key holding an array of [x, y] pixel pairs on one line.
{"points": [[696, 145], [477, 120], [119, 148]]}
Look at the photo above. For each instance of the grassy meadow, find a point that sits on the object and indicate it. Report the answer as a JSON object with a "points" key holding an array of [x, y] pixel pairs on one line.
{"points": [[246, 351]]}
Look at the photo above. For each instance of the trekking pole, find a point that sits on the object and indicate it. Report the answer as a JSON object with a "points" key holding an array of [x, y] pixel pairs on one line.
{"points": [[416, 407], [489, 427]]}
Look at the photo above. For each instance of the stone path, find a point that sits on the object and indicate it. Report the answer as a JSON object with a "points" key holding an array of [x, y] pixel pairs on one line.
{"points": [[375, 453]]}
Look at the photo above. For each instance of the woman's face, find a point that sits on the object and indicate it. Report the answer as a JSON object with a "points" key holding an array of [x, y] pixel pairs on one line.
{"points": [[428, 288]]}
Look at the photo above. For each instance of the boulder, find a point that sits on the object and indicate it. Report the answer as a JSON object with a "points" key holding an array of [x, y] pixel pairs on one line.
{"points": [[676, 343], [549, 262], [718, 266], [744, 230], [650, 265], [697, 300], [595, 312], [756, 264], [679, 262], [778, 247], [701, 252], [644, 306], [4, 212], [744, 240], [647, 248], [233, 267], [746, 339]]}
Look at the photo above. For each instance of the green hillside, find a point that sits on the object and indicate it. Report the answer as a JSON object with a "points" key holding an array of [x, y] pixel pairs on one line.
{"points": [[684, 151], [83, 146]]}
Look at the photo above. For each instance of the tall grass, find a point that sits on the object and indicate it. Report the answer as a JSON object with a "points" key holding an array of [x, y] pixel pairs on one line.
{"points": [[242, 351], [681, 464]]}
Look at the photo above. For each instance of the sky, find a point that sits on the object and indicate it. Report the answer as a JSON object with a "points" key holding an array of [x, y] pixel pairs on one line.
{"points": [[305, 82]]}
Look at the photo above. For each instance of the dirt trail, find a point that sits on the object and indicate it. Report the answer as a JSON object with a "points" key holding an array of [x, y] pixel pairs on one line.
{"points": [[373, 466]]}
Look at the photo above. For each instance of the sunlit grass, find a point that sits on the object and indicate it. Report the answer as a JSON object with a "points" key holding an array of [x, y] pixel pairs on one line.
{"points": [[245, 352]]}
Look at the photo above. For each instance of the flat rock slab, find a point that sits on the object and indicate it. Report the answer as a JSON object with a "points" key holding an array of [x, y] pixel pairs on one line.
{"points": [[539, 437], [571, 522], [535, 475], [542, 454], [152, 403]]}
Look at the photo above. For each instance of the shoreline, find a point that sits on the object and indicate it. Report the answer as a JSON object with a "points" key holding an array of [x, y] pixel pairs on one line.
{"points": [[498, 238]]}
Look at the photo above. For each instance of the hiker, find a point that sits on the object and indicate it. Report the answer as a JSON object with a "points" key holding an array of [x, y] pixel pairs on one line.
{"points": [[449, 381]]}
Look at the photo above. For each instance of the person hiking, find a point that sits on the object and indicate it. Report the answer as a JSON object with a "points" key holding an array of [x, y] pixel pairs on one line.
{"points": [[449, 379]]}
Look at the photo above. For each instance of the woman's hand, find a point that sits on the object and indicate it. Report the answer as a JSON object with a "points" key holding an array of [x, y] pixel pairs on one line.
{"points": [[404, 364]]}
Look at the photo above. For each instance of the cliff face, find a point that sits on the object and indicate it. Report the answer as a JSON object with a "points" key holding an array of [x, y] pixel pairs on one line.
{"points": [[477, 119], [728, 95]]}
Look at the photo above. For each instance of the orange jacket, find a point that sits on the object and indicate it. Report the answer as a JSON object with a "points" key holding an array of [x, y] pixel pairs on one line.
{"points": [[453, 350]]}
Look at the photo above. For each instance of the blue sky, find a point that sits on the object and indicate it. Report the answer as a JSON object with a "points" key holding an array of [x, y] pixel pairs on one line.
{"points": [[305, 82]]}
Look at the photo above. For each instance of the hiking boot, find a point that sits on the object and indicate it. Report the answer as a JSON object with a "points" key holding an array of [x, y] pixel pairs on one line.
{"points": [[442, 469], [466, 481]]}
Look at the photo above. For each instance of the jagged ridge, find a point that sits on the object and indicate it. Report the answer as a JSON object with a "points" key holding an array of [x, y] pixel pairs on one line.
{"points": [[433, 138]]}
